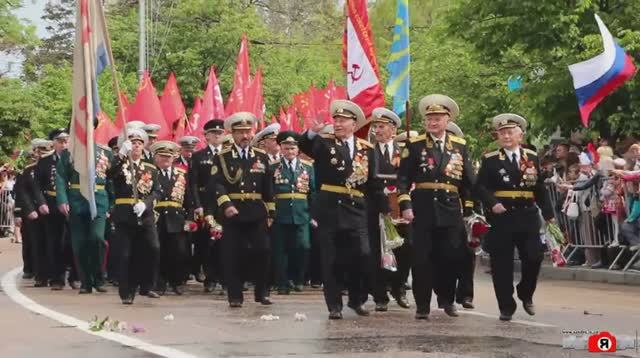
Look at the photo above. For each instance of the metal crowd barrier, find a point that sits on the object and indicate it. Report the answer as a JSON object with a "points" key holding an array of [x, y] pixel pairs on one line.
{"points": [[7, 203], [586, 231]]}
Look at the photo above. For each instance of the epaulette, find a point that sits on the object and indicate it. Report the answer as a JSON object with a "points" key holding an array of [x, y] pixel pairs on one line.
{"points": [[180, 169], [492, 154], [104, 147], [307, 162], [417, 138], [402, 144], [225, 150], [457, 139], [146, 164], [274, 162], [30, 165], [47, 154], [365, 143], [259, 150], [529, 151], [327, 135]]}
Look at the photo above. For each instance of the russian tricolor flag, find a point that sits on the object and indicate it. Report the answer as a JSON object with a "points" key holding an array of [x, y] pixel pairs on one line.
{"points": [[596, 78]]}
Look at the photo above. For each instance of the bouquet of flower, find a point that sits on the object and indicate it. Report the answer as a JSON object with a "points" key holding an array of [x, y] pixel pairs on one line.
{"points": [[477, 228], [389, 240], [553, 237]]}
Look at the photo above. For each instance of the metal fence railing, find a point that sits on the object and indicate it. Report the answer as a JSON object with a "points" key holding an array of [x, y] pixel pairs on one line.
{"points": [[591, 229], [7, 204]]}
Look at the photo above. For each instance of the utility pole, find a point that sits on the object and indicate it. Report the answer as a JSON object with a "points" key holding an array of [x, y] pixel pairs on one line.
{"points": [[142, 51]]}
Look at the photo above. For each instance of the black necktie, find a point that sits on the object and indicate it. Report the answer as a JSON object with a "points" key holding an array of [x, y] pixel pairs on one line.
{"points": [[215, 151], [439, 145], [244, 154], [346, 145], [291, 165], [166, 174], [386, 152], [514, 161]]}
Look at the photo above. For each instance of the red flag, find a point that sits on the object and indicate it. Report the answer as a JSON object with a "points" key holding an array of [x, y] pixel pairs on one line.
{"points": [[359, 59], [292, 118], [303, 105], [171, 102], [255, 99], [282, 119], [240, 79], [321, 102], [212, 106], [147, 107], [194, 118], [105, 130], [122, 114]]}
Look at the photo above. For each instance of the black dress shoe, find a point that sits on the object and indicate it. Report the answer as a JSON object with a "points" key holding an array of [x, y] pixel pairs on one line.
{"points": [[127, 301], [40, 284], [402, 301], [27, 276], [150, 294], [209, 287], [316, 285], [440, 305], [283, 291], [57, 287], [298, 288], [177, 290], [201, 277], [359, 310], [529, 308], [265, 301], [84, 291], [422, 314], [101, 289], [382, 307], [451, 310], [235, 304], [74, 285], [505, 316], [466, 303], [335, 315]]}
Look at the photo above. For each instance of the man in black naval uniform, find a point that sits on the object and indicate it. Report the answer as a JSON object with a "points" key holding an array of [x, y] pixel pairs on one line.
{"points": [[464, 286], [242, 182], [512, 191], [152, 135], [385, 124], [206, 265], [135, 241], [28, 197], [344, 175], [59, 254], [438, 164], [170, 208]]}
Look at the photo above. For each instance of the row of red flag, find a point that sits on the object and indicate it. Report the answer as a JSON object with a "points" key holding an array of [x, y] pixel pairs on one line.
{"points": [[363, 87]]}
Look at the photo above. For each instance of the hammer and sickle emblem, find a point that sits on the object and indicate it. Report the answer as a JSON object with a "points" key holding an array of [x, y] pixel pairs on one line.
{"points": [[356, 73]]}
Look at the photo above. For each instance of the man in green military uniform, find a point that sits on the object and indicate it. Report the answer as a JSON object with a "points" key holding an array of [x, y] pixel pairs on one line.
{"points": [[294, 184], [87, 234]]}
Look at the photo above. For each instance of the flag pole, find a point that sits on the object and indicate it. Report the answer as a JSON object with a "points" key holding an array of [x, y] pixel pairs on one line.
{"points": [[114, 72], [408, 117], [116, 88]]}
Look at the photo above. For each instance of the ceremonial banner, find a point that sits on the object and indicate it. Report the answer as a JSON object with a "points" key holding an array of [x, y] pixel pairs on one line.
{"points": [[171, 103], [359, 60], [596, 78], [90, 58], [400, 60]]}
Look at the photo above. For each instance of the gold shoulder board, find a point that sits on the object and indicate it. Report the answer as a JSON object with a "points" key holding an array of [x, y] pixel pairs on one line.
{"points": [[259, 150], [306, 162], [492, 154], [457, 139], [417, 138], [365, 143], [529, 151]]}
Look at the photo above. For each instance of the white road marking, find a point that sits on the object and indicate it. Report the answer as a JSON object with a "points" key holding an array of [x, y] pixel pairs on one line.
{"points": [[10, 287], [527, 323]]}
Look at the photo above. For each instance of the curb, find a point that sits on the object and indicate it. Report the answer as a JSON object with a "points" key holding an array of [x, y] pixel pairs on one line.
{"points": [[547, 271]]}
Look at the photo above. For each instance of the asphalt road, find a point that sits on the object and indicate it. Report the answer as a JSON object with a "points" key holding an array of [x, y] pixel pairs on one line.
{"points": [[204, 326]]}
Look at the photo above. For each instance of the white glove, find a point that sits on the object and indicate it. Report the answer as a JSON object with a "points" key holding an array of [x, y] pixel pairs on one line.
{"points": [[125, 148], [139, 208]]}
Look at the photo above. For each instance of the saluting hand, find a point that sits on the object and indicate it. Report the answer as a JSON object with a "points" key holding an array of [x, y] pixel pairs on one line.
{"points": [[318, 125]]}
